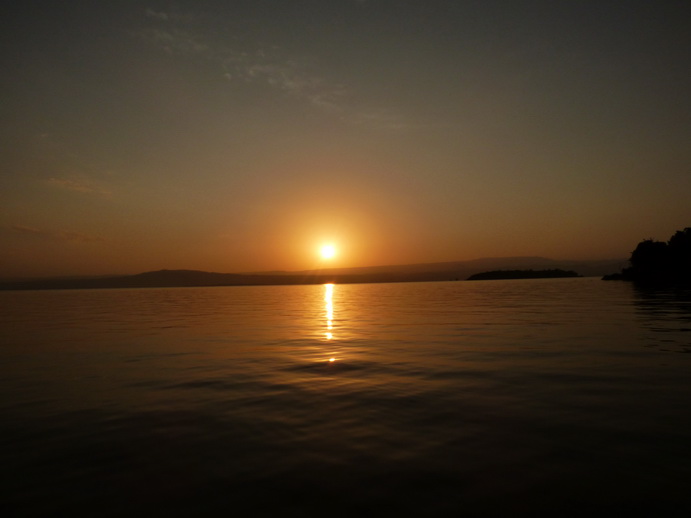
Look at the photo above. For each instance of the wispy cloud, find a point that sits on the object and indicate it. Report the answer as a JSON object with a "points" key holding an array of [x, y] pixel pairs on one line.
{"points": [[59, 235], [157, 15], [65, 235], [21, 229], [170, 31], [70, 169], [292, 75], [77, 184], [176, 41]]}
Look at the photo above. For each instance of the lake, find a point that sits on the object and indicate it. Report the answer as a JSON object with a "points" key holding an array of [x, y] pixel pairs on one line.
{"points": [[552, 397]]}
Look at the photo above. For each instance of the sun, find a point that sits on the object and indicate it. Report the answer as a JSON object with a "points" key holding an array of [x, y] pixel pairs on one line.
{"points": [[327, 252]]}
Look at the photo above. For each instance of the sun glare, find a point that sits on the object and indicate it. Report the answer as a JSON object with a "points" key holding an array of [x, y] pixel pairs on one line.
{"points": [[327, 252]]}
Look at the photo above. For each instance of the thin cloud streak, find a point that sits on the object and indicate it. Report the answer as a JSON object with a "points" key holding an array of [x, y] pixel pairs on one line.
{"points": [[77, 184], [59, 235], [157, 15]]}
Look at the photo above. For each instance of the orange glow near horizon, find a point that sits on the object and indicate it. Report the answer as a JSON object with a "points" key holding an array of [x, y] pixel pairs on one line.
{"points": [[302, 162]]}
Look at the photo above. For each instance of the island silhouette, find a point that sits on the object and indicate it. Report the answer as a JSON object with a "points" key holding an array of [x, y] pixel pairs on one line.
{"points": [[372, 274], [523, 274], [659, 262]]}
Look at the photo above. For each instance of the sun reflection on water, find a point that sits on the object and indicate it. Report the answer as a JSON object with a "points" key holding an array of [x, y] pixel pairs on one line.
{"points": [[329, 307], [329, 314]]}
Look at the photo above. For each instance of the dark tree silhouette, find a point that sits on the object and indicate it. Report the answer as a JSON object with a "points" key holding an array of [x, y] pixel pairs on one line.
{"points": [[650, 260], [657, 262], [679, 246]]}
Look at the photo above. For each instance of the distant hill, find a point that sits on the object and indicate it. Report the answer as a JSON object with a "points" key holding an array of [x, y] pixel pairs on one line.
{"points": [[522, 274], [463, 269], [393, 273]]}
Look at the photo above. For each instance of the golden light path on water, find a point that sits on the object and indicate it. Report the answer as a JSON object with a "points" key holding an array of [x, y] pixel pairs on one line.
{"points": [[329, 310]]}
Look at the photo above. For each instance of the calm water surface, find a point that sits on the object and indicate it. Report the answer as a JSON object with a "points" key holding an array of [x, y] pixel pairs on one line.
{"points": [[492, 398]]}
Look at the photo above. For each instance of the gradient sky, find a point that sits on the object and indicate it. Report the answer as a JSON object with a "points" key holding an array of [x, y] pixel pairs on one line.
{"points": [[240, 135]]}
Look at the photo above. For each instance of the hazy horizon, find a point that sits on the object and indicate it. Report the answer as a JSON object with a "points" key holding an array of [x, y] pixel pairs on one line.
{"points": [[242, 136], [510, 262]]}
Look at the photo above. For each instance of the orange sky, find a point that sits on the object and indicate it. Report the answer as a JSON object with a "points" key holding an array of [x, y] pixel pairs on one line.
{"points": [[240, 136]]}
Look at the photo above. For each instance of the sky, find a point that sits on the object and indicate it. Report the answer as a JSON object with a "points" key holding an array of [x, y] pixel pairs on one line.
{"points": [[239, 136]]}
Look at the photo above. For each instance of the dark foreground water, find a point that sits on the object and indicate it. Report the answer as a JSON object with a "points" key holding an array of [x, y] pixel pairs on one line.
{"points": [[496, 398]]}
